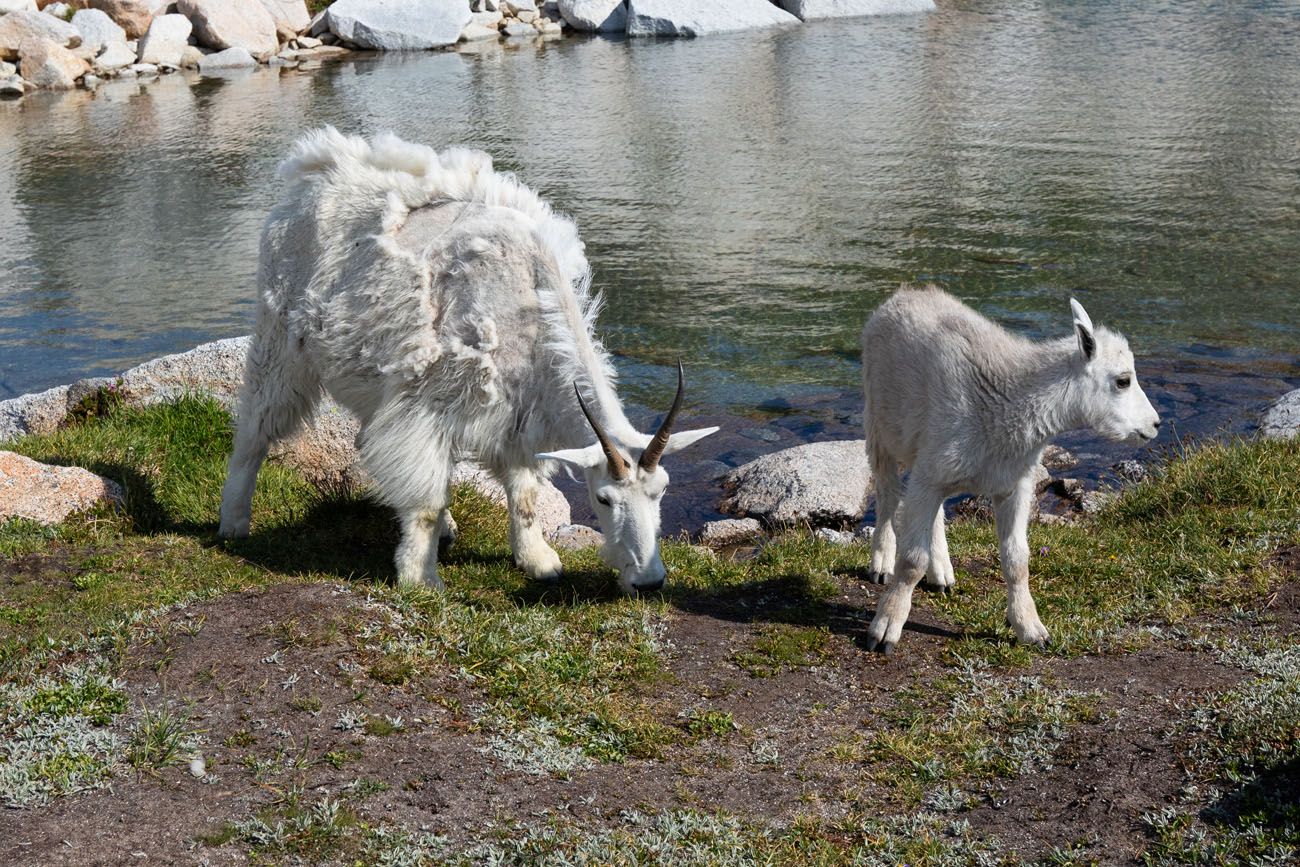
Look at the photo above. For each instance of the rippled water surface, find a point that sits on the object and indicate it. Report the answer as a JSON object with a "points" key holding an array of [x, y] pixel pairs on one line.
{"points": [[746, 200]]}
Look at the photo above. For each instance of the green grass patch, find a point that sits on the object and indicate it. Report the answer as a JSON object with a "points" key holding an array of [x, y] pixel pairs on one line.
{"points": [[161, 738], [779, 646]]}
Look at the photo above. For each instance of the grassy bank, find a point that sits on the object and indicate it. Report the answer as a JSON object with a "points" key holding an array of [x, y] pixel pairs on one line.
{"points": [[285, 686]]}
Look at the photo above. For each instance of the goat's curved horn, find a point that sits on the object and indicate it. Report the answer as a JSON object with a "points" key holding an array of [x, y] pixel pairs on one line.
{"points": [[650, 457], [617, 463]]}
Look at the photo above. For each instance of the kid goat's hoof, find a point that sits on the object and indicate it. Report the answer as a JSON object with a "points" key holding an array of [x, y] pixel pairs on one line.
{"points": [[942, 589], [874, 577], [885, 647]]}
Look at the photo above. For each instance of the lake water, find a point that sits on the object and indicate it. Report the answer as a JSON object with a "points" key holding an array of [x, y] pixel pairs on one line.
{"points": [[746, 200]]}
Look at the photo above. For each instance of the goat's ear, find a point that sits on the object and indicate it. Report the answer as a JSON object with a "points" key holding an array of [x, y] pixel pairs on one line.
{"points": [[679, 441], [1083, 328], [576, 459]]}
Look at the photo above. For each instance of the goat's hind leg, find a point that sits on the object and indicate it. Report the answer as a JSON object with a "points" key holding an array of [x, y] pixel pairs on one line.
{"points": [[888, 495], [916, 522], [939, 577], [281, 388]]}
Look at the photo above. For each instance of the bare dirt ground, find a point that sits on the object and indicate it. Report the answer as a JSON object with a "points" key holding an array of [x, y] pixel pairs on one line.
{"points": [[266, 677]]}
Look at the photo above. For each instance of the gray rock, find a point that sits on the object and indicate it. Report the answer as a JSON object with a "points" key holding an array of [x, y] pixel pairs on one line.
{"points": [[7, 69], [514, 7], [836, 537], [97, 29], [133, 15], [526, 16], [7, 6], [552, 509], [223, 24], [115, 56], [1056, 458], [309, 42], [694, 18], [191, 57], [600, 16], [231, 58], [819, 483], [37, 413], [1068, 489], [809, 10], [518, 28], [575, 537], [1131, 471], [475, 32], [47, 494], [487, 19], [62, 11], [145, 70], [407, 26], [46, 64], [320, 23], [732, 531], [90, 82], [1093, 502], [12, 87], [27, 26], [166, 40], [548, 28], [1283, 419]]}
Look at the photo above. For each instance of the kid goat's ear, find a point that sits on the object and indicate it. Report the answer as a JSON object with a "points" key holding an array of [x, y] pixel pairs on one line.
{"points": [[1083, 328]]}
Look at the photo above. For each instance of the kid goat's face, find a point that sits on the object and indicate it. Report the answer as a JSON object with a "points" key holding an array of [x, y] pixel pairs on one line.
{"points": [[1117, 407]]}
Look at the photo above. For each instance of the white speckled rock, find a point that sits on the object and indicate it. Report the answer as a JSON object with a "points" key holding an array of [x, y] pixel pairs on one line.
{"points": [[97, 29], [24, 26], [46, 494], [133, 15], [1283, 418], [399, 25], [223, 24], [732, 531], [52, 66], [602, 16], [475, 32], [695, 18], [7, 6], [552, 508], [809, 10], [819, 483], [231, 58], [166, 40]]}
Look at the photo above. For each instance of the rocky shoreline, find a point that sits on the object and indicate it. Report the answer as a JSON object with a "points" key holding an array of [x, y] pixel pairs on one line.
{"points": [[57, 45], [820, 485]]}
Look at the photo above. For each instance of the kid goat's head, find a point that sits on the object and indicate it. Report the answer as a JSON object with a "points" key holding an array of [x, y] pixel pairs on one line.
{"points": [[625, 493], [1114, 404]]}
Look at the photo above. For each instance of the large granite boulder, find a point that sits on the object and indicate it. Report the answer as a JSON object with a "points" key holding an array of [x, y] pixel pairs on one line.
{"points": [[694, 18], [809, 10], [25, 26], [166, 40], [51, 66], [399, 25], [7, 6], [133, 15], [46, 494], [1283, 418], [822, 484], [602, 16], [97, 29], [289, 14], [221, 24]]}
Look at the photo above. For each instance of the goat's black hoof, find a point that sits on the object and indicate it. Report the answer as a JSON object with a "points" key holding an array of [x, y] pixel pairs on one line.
{"points": [[1040, 645], [887, 648], [872, 644], [877, 577]]}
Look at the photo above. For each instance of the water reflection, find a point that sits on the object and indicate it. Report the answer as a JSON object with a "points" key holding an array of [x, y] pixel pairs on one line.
{"points": [[746, 199]]}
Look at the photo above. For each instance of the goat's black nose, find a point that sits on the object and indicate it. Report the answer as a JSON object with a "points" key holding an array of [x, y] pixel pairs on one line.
{"points": [[648, 588], [1157, 424]]}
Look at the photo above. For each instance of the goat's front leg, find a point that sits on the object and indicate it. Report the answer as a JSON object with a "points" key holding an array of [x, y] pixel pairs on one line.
{"points": [[914, 544], [1012, 514], [417, 553], [538, 559]]}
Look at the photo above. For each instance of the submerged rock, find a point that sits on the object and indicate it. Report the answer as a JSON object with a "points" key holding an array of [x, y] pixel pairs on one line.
{"points": [[810, 10], [694, 18], [47, 494], [1283, 419], [818, 483], [408, 26], [601, 16]]}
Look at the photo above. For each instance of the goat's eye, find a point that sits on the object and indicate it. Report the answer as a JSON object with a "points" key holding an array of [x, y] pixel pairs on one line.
{"points": [[603, 500], [1124, 381]]}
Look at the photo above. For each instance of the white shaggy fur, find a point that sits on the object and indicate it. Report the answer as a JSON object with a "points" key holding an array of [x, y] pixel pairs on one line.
{"points": [[449, 308], [968, 407]]}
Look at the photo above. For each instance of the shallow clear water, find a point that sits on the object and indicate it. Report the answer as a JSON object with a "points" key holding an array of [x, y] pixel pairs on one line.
{"points": [[746, 200]]}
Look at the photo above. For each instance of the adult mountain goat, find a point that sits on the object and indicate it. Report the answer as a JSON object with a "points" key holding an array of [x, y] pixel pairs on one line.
{"points": [[968, 407], [449, 308]]}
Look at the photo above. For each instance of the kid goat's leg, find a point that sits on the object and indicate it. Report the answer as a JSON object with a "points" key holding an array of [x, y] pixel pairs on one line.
{"points": [[916, 525], [1012, 513], [280, 390], [888, 493], [538, 559]]}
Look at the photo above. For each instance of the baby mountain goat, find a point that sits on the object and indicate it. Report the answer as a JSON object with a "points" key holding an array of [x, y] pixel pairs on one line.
{"points": [[968, 407], [448, 307]]}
